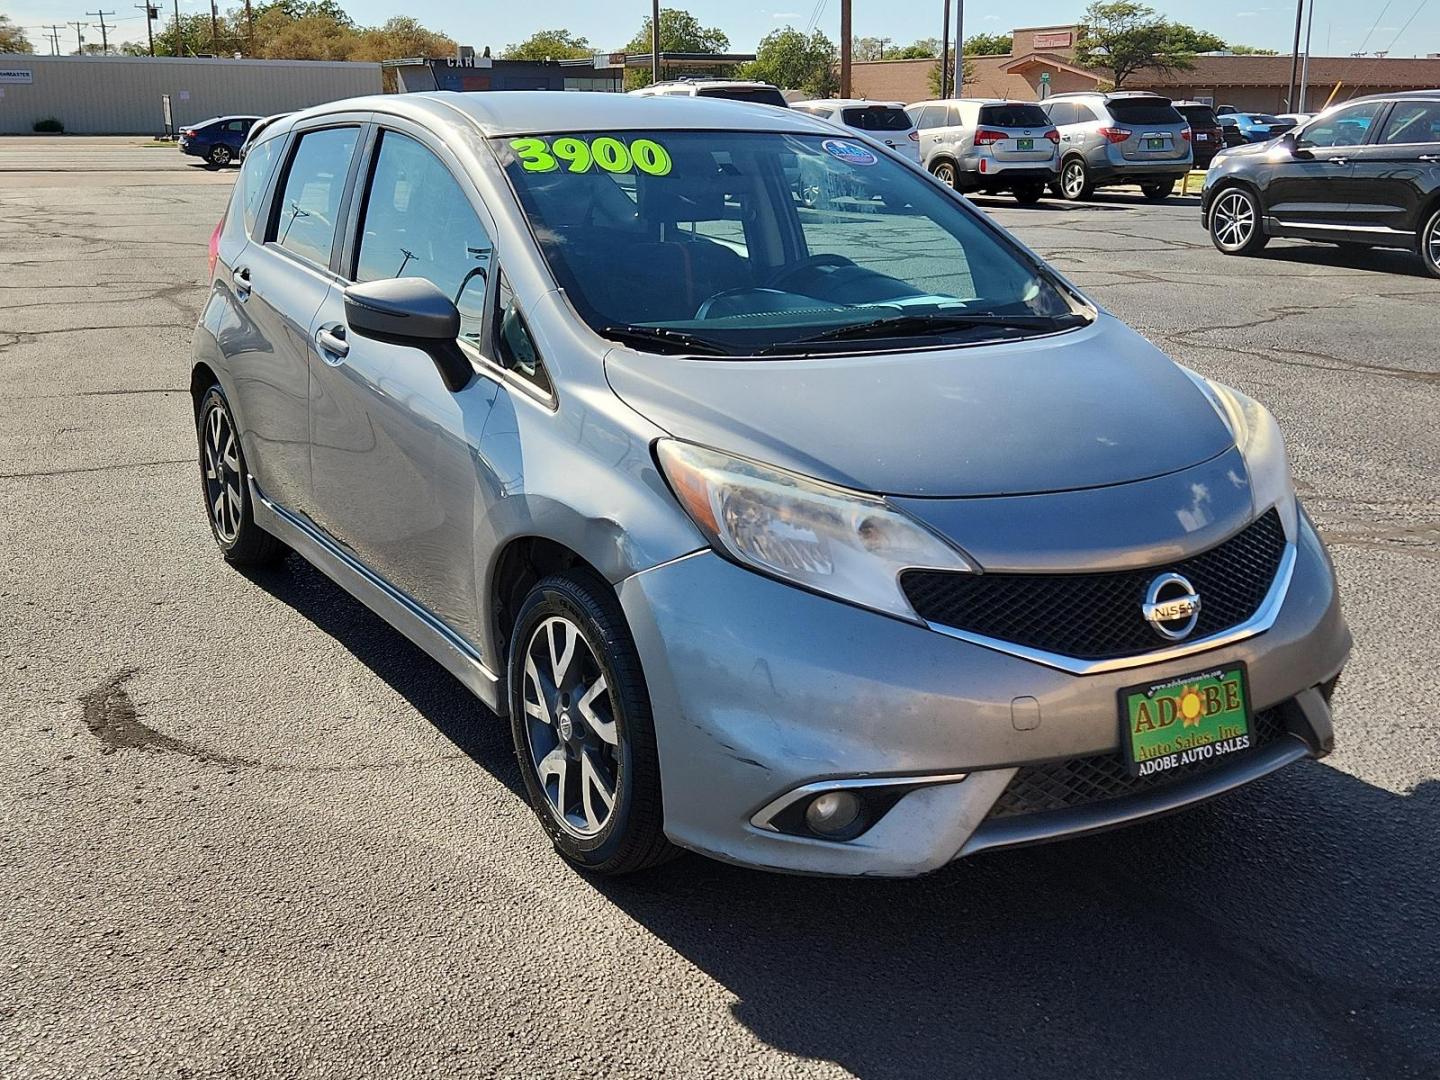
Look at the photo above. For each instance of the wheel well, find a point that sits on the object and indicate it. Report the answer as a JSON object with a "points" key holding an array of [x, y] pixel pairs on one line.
{"points": [[201, 379], [521, 564]]}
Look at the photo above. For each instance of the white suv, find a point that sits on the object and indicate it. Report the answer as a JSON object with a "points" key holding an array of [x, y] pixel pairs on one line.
{"points": [[883, 121], [757, 93], [988, 145]]}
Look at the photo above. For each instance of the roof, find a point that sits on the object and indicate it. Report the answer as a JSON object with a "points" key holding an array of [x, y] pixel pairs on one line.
{"points": [[513, 112], [1228, 71], [848, 103]]}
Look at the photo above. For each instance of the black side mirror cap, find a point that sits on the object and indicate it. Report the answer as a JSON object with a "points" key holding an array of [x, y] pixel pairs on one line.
{"points": [[411, 311]]}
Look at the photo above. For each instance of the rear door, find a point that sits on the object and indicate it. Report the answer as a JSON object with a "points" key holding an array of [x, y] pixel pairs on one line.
{"points": [[391, 445], [1156, 132], [930, 121], [1310, 191], [1396, 173]]}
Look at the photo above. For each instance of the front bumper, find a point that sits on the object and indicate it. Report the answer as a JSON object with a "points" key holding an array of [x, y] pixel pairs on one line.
{"points": [[759, 688]]}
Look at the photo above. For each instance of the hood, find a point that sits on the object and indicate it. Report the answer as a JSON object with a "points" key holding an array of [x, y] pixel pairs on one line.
{"points": [[1249, 149], [1083, 409]]}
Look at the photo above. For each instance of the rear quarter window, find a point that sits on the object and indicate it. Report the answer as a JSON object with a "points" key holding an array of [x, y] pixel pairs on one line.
{"points": [[764, 95], [249, 194], [1014, 115], [876, 118], [1144, 112]]}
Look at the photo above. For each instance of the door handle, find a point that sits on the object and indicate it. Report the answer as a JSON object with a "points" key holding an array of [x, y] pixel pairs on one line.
{"points": [[331, 340], [241, 277], [1338, 160]]}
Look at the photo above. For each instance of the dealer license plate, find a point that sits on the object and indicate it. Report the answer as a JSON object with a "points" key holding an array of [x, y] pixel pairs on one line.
{"points": [[1155, 144], [1025, 144], [1186, 721]]}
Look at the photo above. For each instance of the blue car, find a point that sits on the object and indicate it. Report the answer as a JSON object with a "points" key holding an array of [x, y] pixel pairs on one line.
{"points": [[218, 140], [1241, 128]]}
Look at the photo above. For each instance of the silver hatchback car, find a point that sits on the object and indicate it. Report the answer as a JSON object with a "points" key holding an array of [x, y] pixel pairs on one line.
{"points": [[834, 542]]}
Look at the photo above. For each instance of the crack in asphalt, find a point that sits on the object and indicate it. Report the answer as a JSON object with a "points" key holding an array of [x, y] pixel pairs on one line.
{"points": [[96, 468]]}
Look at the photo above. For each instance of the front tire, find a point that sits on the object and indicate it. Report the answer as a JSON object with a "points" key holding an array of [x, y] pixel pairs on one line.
{"points": [[1429, 243], [1235, 225], [224, 480], [1075, 182], [1028, 194], [944, 171], [583, 732]]}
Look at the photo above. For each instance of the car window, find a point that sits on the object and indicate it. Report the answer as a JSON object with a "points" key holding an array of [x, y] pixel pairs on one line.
{"points": [[1343, 127], [1014, 114], [304, 221], [1412, 122], [1198, 115], [876, 118], [417, 222], [952, 116], [931, 116], [1084, 114], [1228, 120], [1061, 113], [250, 187], [513, 340], [717, 247], [236, 125], [760, 95], [1144, 111]]}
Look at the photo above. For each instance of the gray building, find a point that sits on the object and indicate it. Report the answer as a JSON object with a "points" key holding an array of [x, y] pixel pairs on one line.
{"points": [[122, 95]]}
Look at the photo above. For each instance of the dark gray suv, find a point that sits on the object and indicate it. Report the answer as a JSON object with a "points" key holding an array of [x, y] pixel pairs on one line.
{"points": [[1119, 138]]}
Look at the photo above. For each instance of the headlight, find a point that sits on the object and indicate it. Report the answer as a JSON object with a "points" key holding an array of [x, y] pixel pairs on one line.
{"points": [[1262, 446], [842, 543]]}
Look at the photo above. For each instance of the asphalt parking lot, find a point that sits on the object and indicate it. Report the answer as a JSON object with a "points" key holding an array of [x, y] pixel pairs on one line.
{"points": [[249, 830]]}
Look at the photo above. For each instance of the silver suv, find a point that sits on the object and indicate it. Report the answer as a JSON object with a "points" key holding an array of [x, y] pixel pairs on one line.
{"points": [[988, 145], [1120, 138]]}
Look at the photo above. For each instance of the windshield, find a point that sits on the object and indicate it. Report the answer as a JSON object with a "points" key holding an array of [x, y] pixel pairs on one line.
{"points": [[750, 242], [759, 95]]}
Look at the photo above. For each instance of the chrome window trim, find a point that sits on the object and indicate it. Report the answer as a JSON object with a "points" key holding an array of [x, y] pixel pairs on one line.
{"points": [[1262, 620], [762, 818]]}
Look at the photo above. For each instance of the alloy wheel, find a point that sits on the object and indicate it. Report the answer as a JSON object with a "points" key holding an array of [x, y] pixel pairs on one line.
{"points": [[220, 155], [1073, 180], [1233, 220], [945, 173], [570, 722], [222, 474], [1432, 243]]}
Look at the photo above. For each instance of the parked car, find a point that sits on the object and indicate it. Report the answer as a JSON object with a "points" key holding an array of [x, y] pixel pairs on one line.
{"points": [[1242, 128], [1206, 134], [1119, 138], [1294, 119], [1366, 173], [1225, 110], [987, 145], [256, 130], [758, 525], [757, 93], [217, 140], [883, 121]]}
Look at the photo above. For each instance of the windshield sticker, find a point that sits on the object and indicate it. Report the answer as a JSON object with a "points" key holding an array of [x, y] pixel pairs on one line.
{"points": [[581, 155], [848, 152]]}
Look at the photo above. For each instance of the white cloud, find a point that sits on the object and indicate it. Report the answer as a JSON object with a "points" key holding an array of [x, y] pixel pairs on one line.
{"points": [[785, 15]]}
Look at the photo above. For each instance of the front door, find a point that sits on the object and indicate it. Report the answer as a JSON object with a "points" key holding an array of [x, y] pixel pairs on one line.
{"points": [[1309, 191], [1398, 172], [391, 446]]}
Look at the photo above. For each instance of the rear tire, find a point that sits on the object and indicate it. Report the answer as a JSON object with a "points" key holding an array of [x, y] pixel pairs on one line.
{"points": [[1158, 192], [1029, 194], [1236, 227], [944, 171], [219, 156], [224, 481], [1429, 243], [581, 722], [1075, 183]]}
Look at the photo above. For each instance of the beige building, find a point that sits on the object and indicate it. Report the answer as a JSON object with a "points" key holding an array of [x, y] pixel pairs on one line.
{"points": [[123, 95], [1041, 62]]}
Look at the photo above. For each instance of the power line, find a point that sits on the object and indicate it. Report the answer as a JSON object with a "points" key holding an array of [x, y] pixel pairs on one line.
{"points": [[1361, 50], [79, 36], [104, 36], [54, 36], [1406, 26]]}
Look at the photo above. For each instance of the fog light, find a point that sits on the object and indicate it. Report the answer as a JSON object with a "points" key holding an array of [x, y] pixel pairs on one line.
{"points": [[832, 812]]}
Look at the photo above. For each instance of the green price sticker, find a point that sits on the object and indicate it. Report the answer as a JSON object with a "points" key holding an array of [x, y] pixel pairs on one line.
{"points": [[581, 155]]}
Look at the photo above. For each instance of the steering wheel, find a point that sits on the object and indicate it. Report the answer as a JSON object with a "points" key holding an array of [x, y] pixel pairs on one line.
{"points": [[783, 276]]}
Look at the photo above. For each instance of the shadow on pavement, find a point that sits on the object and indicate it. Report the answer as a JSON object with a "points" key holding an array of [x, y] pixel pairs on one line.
{"points": [[434, 693], [1378, 260]]}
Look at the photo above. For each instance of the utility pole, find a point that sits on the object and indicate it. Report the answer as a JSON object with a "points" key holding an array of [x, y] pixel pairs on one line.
{"points": [[150, 13], [845, 44], [79, 37], [214, 30], [883, 42], [945, 53], [655, 41], [249, 30], [1305, 67], [175, 45], [54, 37], [104, 37], [1295, 55], [959, 48]]}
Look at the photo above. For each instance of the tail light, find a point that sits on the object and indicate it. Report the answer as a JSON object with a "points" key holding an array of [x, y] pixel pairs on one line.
{"points": [[984, 137], [189, 133], [1185, 134], [215, 246], [1116, 135], [914, 136], [1053, 135]]}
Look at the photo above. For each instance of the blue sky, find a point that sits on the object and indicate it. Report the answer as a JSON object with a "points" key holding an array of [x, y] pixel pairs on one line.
{"points": [[1341, 26]]}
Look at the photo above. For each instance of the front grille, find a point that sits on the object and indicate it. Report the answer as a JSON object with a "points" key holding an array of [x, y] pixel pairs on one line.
{"points": [[1063, 785], [1098, 616]]}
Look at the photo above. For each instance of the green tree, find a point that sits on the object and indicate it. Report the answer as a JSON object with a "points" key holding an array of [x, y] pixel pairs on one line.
{"points": [[194, 37], [918, 50], [1252, 50], [967, 74], [549, 45], [870, 48], [12, 37], [989, 44], [679, 32], [790, 60], [400, 35], [1122, 37]]}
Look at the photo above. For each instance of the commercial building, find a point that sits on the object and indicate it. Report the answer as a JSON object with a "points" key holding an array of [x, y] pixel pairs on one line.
{"points": [[603, 72], [1041, 62], [124, 95]]}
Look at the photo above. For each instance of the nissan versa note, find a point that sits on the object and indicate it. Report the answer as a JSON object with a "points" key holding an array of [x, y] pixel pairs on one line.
{"points": [[845, 543]]}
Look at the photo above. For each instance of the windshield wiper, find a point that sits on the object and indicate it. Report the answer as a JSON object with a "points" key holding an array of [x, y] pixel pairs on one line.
{"points": [[674, 341], [934, 323]]}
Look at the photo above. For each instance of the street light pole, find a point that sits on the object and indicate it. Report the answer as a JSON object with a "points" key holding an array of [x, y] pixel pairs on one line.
{"points": [[844, 48], [959, 48], [945, 53], [655, 41], [1295, 55], [1305, 67]]}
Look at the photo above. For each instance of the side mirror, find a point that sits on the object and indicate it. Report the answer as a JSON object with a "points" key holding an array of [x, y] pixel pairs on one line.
{"points": [[411, 311], [1289, 141]]}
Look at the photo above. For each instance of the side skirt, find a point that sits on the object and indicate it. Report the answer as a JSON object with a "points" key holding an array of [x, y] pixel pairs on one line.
{"points": [[449, 649]]}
